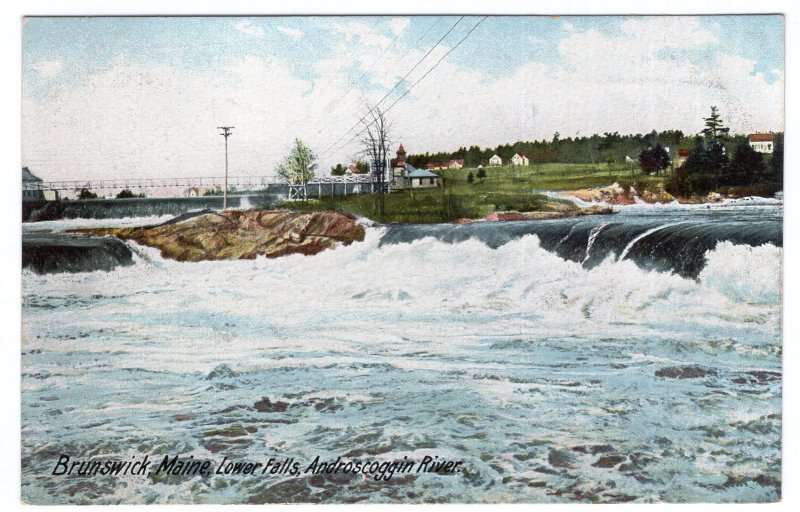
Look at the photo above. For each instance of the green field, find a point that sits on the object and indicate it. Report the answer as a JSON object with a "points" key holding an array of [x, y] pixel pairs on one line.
{"points": [[503, 189]]}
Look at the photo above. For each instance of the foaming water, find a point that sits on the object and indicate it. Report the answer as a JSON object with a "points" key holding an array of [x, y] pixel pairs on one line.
{"points": [[553, 380]]}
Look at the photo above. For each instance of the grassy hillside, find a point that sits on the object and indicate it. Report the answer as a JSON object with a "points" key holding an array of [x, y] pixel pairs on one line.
{"points": [[503, 189]]}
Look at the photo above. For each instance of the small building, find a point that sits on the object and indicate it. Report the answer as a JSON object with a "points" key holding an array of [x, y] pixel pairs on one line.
{"points": [[456, 164], [422, 178], [761, 142], [496, 161], [193, 192], [683, 154], [519, 159], [31, 186]]}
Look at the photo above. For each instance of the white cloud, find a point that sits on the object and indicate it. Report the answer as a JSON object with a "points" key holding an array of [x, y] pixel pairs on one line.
{"points": [[48, 68], [362, 34], [291, 32], [247, 27], [398, 25], [154, 122]]}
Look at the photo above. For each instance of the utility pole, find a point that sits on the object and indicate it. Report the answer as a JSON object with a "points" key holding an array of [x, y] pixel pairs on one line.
{"points": [[226, 132]]}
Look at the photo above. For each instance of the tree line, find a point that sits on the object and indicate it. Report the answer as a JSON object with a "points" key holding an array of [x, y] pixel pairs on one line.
{"points": [[721, 162], [610, 147]]}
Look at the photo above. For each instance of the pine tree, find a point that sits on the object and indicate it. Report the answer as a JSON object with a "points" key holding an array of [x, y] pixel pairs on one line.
{"points": [[714, 129]]}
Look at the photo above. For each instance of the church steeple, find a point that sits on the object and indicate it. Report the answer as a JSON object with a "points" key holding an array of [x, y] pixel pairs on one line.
{"points": [[401, 156]]}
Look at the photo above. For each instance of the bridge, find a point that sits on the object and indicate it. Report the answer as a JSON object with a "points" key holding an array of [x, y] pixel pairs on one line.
{"points": [[235, 183]]}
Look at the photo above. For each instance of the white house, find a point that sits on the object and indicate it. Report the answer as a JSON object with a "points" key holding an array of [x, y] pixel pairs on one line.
{"points": [[496, 161], [761, 142], [519, 159]]}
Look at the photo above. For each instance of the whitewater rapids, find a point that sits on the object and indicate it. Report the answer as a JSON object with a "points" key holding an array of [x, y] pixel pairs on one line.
{"points": [[549, 378]]}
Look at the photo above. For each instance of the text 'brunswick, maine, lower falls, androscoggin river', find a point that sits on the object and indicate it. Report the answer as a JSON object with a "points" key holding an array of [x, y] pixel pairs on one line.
{"points": [[635, 356]]}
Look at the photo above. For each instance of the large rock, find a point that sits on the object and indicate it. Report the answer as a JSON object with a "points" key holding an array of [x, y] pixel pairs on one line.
{"points": [[231, 235], [47, 253]]}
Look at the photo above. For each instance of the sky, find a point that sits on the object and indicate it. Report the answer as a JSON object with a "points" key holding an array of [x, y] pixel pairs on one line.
{"points": [[142, 96]]}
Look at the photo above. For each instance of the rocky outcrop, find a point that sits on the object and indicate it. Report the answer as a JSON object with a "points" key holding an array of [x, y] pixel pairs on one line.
{"points": [[538, 215], [619, 195], [232, 234], [612, 194]]}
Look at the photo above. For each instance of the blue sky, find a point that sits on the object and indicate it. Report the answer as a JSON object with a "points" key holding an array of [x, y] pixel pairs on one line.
{"points": [[93, 44], [522, 77]]}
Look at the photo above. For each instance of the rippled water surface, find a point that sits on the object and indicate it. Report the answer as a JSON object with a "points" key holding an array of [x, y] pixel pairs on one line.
{"points": [[553, 380]]}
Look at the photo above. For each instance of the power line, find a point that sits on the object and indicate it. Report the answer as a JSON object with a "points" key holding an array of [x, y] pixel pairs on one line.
{"points": [[437, 63], [409, 89], [364, 73], [395, 86], [372, 31]]}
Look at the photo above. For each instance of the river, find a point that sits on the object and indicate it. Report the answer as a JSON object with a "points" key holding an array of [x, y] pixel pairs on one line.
{"points": [[630, 357]]}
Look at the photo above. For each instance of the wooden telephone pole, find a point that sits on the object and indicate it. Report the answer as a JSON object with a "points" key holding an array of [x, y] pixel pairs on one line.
{"points": [[226, 132]]}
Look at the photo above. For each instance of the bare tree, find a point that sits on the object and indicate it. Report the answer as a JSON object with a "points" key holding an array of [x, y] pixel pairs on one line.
{"points": [[374, 140]]}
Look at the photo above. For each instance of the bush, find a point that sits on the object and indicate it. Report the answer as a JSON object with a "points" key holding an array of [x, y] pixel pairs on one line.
{"points": [[127, 194], [85, 193]]}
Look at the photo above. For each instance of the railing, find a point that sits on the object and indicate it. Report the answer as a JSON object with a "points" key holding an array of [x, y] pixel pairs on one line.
{"points": [[235, 182]]}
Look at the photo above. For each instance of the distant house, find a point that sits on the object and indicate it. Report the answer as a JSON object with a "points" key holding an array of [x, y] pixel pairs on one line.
{"points": [[519, 159], [351, 169], [496, 161], [193, 192], [683, 154], [422, 178], [31, 186], [456, 164], [761, 142]]}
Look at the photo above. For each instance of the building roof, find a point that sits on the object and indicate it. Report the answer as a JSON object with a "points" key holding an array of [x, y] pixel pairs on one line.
{"points": [[419, 173], [760, 137], [28, 176], [520, 154], [401, 150]]}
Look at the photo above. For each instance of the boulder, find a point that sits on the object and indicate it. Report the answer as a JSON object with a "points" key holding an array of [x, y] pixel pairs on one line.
{"points": [[234, 234]]}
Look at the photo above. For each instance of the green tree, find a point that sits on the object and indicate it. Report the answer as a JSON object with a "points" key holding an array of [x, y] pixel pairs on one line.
{"points": [[714, 129], [470, 177], [338, 170], [654, 159], [127, 194], [746, 166], [362, 167], [481, 173], [299, 166], [776, 163], [85, 193]]}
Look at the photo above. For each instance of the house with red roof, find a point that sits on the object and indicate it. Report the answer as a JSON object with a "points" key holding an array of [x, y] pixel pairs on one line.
{"points": [[761, 142]]}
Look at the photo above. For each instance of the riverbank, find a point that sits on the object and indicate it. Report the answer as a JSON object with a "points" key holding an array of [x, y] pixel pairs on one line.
{"points": [[452, 204], [653, 193]]}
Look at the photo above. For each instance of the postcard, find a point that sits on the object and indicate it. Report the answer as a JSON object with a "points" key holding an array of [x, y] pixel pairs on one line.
{"points": [[402, 259]]}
